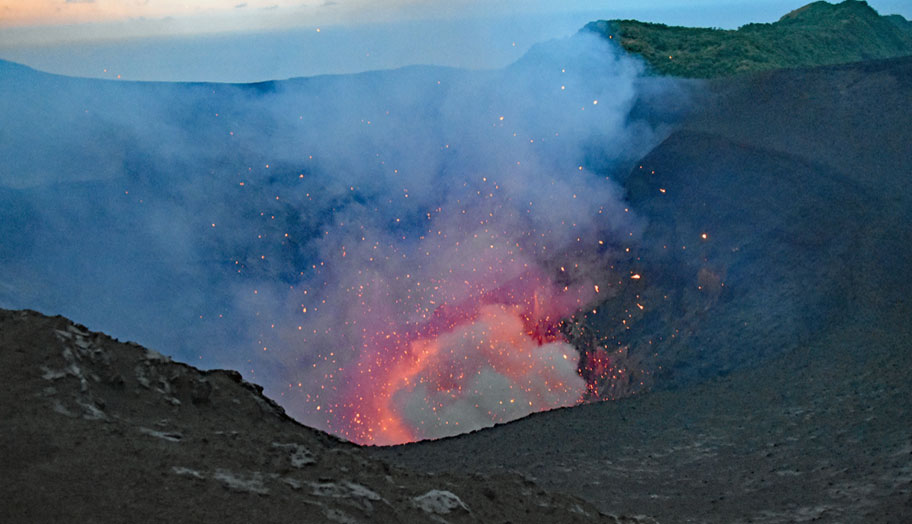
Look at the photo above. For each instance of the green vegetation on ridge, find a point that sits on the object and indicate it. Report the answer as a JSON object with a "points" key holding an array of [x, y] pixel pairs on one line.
{"points": [[819, 33]]}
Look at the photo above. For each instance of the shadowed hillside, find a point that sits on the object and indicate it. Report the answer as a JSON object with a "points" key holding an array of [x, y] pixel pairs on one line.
{"points": [[798, 180], [97, 430], [816, 34]]}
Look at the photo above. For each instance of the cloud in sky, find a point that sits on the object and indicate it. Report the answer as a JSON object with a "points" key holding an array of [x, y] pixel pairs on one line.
{"points": [[38, 22], [62, 12], [218, 15]]}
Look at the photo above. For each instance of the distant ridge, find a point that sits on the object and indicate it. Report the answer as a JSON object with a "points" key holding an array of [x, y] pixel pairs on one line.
{"points": [[819, 33]]}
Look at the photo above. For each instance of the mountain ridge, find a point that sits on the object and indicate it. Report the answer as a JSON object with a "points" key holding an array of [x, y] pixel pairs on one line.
{"points": [[816, 34]]}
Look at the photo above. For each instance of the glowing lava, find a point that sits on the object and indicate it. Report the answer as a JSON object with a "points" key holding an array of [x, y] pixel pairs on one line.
{"points": [[495, 357]]}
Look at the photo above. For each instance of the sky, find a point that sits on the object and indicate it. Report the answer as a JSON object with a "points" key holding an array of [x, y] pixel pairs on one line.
{"points": [[253, 40]]}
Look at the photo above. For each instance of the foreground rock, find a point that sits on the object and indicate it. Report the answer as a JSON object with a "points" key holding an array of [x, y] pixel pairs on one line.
{"points": [[95, 430]]}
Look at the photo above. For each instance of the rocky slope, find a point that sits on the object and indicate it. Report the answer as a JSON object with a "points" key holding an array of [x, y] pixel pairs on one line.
{"points": [[798, 180], [95, 430]]}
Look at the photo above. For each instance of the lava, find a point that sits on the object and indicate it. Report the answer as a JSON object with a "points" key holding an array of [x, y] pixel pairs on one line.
{"points": [[595, 366], [492, 358]]}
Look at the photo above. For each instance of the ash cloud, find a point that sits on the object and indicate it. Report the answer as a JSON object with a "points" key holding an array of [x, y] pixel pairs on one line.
{"points": [[291, 229]]}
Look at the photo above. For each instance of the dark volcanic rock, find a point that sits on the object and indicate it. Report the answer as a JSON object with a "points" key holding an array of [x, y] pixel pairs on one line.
{"points": [[95, 430], [799, 181]]}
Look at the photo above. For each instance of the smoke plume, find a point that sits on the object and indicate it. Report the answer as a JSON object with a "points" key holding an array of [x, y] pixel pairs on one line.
{"points": [[390, 254]]}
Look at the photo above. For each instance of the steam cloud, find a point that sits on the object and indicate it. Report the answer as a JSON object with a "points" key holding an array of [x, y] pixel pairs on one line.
{"points": [[389, 254]]}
